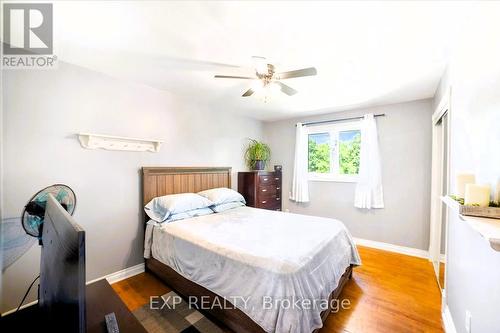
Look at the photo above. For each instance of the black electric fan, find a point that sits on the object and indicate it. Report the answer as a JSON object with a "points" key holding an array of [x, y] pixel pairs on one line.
{"points": [[34, 211]]}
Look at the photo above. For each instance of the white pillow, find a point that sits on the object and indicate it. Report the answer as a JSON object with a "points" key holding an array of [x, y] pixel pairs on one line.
{"points": [[222, 195], [226, 206], [160, 208]]}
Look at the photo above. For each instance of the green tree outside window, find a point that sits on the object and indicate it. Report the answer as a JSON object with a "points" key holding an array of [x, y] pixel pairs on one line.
{"points": [[319, 153], [349, 153]]}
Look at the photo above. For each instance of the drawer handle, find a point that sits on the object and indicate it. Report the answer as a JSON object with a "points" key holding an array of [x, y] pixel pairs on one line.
{"points": [[265, 179], [276, 178], [264, 190], [278, 199], [264, 201], [278, 188]]}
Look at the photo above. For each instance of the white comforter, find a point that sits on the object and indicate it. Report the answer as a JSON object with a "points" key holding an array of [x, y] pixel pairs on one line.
{"points": [[278, 268]]}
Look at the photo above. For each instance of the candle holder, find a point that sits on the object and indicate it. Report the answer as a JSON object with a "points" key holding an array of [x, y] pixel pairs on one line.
{"points": [[491, 212]]}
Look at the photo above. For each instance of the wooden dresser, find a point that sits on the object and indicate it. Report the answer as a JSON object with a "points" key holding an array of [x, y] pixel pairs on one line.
{"points": [[261, 189]]}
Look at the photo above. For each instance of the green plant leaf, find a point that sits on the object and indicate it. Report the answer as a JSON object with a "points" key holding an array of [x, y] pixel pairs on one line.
{"points": [[256, 151]]}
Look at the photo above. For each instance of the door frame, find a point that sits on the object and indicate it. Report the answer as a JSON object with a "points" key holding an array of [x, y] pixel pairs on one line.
{"points": [[444, 107]]}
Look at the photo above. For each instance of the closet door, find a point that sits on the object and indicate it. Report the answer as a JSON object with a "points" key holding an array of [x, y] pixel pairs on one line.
{"points": [[439, 188]]}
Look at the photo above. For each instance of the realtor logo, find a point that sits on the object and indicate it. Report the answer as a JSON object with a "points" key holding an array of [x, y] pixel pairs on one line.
{"points": [[27, 35], [27, 28]]}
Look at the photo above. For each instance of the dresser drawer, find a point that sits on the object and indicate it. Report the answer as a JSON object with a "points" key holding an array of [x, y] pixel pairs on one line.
{"points": [[271, 204], [269, 179], [269, 201], [268, 190]]}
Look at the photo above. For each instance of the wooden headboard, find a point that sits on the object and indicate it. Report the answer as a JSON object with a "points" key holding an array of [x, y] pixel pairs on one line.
{"points": [[159, 181]]}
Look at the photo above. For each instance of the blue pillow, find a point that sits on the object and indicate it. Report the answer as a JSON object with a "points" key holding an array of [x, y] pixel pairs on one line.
{"points": [[226, 206], [188, 214], [160, 208]]}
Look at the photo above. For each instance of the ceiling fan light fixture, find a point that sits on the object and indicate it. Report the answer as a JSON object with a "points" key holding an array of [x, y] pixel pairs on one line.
{"points": [[267, 81], [257, 85]]}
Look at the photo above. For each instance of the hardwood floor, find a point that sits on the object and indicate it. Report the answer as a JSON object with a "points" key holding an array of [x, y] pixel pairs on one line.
{"points": [[441, 274], [389, 292], [135, 291]]}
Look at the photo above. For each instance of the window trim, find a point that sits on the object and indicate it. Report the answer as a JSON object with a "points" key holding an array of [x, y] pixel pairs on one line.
{"points": [[333, 130]]}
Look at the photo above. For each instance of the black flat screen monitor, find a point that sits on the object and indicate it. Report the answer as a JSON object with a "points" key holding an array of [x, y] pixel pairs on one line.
{"points": [[62, 270]]}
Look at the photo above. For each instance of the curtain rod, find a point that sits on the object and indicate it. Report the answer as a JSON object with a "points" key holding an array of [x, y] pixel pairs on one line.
{"points": [[340, 119]]}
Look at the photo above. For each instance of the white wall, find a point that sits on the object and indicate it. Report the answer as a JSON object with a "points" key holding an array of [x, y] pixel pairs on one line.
{"points": [[42, 111], [473, 268], [405, 143]]}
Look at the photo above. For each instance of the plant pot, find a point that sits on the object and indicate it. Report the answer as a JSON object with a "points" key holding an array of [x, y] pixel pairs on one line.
{"points": [[259, 165]]}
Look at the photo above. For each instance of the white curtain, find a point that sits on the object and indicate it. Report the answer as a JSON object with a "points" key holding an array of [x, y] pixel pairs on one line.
{"points": [[369, 193], [300, 187]]}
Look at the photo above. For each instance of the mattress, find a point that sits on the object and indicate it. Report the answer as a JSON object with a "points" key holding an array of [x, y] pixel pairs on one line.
{"points": [[278, 268]]}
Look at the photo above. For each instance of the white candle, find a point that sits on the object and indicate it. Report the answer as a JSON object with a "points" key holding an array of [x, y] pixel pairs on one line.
{"points": [[462, 180], [477, 195]]}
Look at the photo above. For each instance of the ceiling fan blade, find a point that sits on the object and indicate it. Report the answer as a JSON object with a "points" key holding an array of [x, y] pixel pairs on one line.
{"points": [[247, 93], [233, 77], [258, 58], [287, 89], [298, 73]]}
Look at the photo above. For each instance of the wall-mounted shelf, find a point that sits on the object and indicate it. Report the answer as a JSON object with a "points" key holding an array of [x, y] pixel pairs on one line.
{"points": [[109, 142], [486, 227]]}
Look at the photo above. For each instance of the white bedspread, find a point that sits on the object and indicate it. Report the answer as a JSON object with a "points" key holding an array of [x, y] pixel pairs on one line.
{"points": [[261, 261]]}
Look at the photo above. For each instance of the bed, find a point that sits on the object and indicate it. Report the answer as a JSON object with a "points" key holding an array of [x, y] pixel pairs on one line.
{"points": [[265, 263]]}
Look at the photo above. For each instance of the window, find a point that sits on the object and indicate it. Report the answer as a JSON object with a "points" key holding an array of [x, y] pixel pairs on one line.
{"points": [[333, 151]]}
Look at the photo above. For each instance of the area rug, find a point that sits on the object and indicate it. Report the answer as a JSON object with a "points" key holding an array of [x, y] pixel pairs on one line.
{"points": [[161, 315]]}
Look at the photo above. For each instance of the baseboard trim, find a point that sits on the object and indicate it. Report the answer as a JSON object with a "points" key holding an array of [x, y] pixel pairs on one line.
{"points": [[22, 307], [112, 278], [409, 251], [449, 326], [121, 275]]}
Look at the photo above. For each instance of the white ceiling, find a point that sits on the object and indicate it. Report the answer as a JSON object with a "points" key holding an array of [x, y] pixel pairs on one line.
{"points": [[366, 53]]}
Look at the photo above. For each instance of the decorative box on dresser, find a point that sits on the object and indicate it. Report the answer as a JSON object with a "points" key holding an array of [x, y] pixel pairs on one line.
{"points": [[261, 189]]}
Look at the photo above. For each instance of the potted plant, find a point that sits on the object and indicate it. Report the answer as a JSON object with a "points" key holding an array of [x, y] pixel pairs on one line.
{"points": [[257, 154]]}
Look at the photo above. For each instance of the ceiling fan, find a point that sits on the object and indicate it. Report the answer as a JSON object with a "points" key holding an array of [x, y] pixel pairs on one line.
{"points": [[265, 76]]}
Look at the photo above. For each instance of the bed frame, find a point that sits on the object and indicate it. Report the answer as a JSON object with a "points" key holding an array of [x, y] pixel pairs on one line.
{"points": [[159, 181]]}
